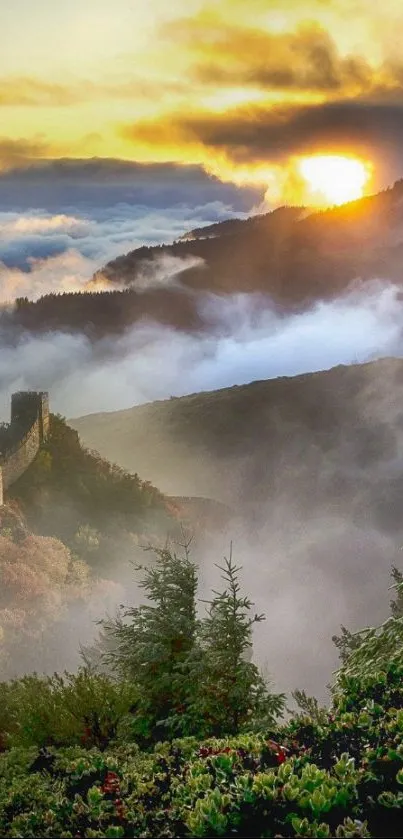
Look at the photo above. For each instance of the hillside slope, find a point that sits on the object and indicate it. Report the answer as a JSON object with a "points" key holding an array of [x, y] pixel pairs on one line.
{"points": [[94, 507], [293, 256], [322, 438]]}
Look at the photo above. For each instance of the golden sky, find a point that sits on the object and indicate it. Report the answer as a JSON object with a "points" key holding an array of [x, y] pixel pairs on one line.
{"points": [[242, 87]]}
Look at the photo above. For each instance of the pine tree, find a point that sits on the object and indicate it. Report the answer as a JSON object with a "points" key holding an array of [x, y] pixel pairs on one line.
{"points": [[192, 677], [231, 691], [149, 644]]}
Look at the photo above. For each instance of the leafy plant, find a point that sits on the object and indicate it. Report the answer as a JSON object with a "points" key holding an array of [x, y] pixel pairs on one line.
{"points": [[83, 708]]}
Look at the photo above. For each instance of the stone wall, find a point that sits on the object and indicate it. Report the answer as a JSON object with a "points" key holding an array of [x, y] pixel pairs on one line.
{"points": [[30, 416]]}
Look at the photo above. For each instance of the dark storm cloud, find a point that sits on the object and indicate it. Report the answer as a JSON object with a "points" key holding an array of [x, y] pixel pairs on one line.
{"points": [[257, 134], [103, 208], [67, 183]]}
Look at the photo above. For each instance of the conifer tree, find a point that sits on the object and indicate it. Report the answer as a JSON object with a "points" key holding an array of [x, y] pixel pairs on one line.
{"points": [[193, 677], [231, 691], [151, 642]]}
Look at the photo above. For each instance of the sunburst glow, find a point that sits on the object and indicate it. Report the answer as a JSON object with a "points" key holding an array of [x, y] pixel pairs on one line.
{"points": [[334, 179]]}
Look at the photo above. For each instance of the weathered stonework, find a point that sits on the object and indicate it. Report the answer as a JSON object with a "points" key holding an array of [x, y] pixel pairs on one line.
{"points": [[28, 429]]}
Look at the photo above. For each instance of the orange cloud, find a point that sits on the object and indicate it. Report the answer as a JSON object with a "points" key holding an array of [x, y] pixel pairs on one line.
{"points": [[22, 151], [304, 59], [251, 144], [35, 92], [264, 96], [238, 87], [30, 91]]}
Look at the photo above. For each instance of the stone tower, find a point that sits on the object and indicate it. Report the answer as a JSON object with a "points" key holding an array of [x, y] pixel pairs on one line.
{"points": [[29, 405]]}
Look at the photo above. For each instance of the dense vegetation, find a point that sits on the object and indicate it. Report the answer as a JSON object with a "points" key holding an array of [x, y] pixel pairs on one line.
{"points": [[96, 754], [98, 313], [40, 583]]}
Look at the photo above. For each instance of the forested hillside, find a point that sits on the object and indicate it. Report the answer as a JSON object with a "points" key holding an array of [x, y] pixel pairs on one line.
{"points": [[293, 256]]}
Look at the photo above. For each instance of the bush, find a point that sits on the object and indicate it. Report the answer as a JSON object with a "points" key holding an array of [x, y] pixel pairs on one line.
{"points": [[297, 780], [84, 708]]}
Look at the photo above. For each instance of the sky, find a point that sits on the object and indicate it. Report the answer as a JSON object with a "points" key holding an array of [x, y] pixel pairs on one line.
{"points": [[241, 88], [134, 122]]}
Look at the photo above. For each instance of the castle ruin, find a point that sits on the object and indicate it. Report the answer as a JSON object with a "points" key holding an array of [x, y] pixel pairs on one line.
{"points": [[21, 439]]}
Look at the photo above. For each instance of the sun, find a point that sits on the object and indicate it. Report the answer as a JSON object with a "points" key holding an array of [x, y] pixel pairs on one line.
{"points": [[334, 179]]}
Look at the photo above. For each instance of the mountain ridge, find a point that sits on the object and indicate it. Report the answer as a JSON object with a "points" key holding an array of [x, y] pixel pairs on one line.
{"points": [[254, 442], [293, 261]]}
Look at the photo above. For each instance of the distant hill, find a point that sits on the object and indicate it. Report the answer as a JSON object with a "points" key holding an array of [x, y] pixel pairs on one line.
{"points": [[324, 440], [294, 256]]}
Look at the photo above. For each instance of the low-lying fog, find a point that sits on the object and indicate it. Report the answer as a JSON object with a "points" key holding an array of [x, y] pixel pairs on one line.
{"points": [[308, 572]]}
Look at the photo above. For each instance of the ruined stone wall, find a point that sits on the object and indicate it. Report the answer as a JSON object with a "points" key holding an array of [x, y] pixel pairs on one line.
{"points": [[30, 411], [16, 462]]}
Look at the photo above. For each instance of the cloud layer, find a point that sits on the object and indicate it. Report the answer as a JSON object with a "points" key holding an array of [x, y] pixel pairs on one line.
{"points": [[89, 212], [243, 339]]}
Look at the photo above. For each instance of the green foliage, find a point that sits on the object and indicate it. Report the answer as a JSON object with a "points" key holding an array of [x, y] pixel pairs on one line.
{"points": [[346, 643], [150, 644], [192, 675], [309, 706], [305, 783], [373, 649], [71, 771], [82, 708], [231, 692]]}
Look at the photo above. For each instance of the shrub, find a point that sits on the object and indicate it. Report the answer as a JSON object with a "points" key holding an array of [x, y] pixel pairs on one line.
{"points": [[84, 708], [296, 781]]}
